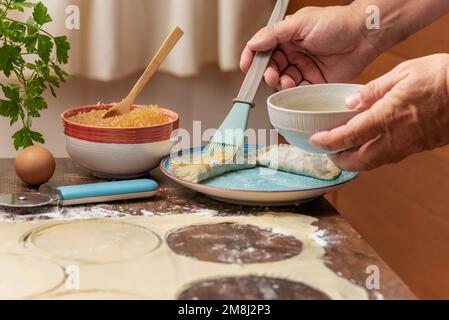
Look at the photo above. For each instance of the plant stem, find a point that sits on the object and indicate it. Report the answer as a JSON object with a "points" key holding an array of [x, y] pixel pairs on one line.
{"points": [[29, 25]]}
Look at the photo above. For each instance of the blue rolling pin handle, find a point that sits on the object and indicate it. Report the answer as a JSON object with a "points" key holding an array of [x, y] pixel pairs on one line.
{"points": [[108, 189]]}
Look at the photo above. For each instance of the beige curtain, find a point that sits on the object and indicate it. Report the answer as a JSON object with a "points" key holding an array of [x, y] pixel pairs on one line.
{"points": [[118, 37]]}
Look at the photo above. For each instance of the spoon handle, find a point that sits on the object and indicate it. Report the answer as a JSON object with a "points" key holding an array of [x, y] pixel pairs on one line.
{"points": [[157, 60]]}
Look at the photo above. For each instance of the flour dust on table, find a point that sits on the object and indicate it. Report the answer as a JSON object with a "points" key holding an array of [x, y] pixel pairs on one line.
{"points": [[97, 211]]}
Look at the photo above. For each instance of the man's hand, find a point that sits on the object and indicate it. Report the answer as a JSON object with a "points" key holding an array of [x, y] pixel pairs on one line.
{"points": [[315, 45], [407, 112]]}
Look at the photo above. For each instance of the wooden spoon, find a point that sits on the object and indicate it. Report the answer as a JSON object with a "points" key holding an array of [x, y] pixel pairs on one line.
{"points": [[125, 105]]}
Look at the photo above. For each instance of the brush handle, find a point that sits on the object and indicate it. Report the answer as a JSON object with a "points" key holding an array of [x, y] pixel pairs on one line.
{"points": [[260, 62]]}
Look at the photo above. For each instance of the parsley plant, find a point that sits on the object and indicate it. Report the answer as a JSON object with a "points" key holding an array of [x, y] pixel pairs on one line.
{"points": [[34, 57]]}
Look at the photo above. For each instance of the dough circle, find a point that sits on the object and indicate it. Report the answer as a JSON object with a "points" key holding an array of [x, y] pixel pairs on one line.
{"points": [[96, 295], [233, 243], [94, 241], [23, 277], [251, 287]]}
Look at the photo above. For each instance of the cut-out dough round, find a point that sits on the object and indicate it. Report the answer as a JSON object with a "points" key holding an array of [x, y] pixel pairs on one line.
{"points": [[233, 243], [96, 295], [255, 288], [162, 274], [23, 277], [94, 241]]}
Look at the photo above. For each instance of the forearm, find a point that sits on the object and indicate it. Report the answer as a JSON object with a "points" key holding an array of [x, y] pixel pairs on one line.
{"points": [[398, 19]]}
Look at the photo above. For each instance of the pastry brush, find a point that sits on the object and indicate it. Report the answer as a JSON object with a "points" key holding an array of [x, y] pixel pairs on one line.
{"points": [[231, 134]]}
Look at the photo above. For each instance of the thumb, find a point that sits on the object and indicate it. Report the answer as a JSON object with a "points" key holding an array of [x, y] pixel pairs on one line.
{"points": [[271, 36], [372, 92]]}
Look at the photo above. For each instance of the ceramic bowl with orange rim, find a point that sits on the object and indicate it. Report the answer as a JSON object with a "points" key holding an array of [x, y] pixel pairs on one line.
{"points": [[118, 153]]}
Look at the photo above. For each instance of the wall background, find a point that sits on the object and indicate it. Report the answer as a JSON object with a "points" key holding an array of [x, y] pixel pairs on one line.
{"points": [[207, 97]]}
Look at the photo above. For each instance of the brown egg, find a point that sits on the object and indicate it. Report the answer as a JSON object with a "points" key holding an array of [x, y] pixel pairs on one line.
{"points": [[35, 165]]}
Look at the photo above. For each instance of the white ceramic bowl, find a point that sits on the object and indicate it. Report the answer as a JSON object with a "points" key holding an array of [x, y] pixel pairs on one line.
{"points": [[118, 153], [301, 112]]}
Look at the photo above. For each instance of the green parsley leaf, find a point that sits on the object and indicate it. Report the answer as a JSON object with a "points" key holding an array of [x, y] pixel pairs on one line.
{"points": [[9, 109], [62, 49], [35, 105], [40, 14], [44, 47], [11, 92], [8, 54]]}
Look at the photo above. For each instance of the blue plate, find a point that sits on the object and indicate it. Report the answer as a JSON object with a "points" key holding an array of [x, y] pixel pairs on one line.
{"points": [[260, 186]]}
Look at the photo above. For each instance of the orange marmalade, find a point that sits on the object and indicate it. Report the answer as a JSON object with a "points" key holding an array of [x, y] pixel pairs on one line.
{"points": [[139, 117]]}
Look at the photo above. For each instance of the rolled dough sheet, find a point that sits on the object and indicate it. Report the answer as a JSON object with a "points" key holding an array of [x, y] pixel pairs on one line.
{"points": [[95, 295], [158, 273], [24, 276]]}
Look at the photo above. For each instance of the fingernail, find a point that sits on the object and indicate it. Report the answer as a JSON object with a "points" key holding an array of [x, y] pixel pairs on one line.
{"points": [[287, 84], [353, 100], [314, 140]]}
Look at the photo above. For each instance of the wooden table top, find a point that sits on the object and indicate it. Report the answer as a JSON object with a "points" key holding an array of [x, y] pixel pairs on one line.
{"points": [[349, 257]]}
